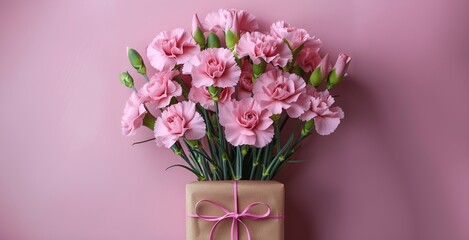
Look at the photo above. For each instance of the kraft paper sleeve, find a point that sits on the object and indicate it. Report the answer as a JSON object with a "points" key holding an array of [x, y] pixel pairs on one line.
{"points": [[221, 192]]}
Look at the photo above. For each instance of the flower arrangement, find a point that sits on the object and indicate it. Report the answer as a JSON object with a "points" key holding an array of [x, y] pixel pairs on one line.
{"points": [[222, 94]]}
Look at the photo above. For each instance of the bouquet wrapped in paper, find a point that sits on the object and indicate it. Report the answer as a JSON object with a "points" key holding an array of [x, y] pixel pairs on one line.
{"points": [[220, 98]]}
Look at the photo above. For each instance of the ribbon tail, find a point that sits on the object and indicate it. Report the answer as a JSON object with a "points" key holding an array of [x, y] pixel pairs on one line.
{"points": [[234, 229], [246, 228], [212, 232]]}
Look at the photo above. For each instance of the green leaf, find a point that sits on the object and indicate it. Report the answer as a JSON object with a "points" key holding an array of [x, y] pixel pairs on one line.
{"points": [[144, 141], [182, 166], [295, 161]]}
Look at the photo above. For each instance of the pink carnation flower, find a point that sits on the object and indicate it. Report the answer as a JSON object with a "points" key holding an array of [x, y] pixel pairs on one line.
{"points": [[170, 48], [231, 19], [161, 89], [259, 46], [342, 64], [294, 36], [308, 59], [134, 112], [246, 123], [202, 95], [326, 119], [277, 90], [179, 120], [245, 81], [213, 66]]}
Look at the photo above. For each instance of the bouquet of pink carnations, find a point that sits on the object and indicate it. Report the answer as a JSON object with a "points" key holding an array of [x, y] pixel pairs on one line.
{"points": [[222, 94]]}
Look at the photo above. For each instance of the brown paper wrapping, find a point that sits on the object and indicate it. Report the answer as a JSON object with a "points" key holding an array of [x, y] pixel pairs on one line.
{"points": [[221, 192]]}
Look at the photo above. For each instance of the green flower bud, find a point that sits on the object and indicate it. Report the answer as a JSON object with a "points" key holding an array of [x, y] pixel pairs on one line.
{"points": [[333, 80], [320, 72], [307, 127], [214, 93], [199, 37], [127, 80], [316, 79], [197, 33], [213, 41], [258, 69], [339, 71], [231, 39], [136, 60]]}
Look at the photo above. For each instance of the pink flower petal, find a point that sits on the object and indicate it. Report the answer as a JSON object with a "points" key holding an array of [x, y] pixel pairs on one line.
{"points": [[326, 125]]}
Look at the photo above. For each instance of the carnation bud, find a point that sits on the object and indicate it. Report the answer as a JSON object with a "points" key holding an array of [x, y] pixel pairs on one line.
{"points": [[213, 41], [258, 69], [231, 39], [197, 33], [214, 93], [136, 60], [339, 71], [307, 127], [127, 79], [320, 73], [231, 34]]}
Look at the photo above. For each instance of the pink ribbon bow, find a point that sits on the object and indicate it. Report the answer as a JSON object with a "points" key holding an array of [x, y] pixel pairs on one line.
{"points": [[235, 215]]}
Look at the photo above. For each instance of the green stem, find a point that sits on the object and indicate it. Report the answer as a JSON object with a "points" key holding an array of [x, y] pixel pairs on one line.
{"points": [[277, 134], [184, 156], [223, 158], [255, 162], [239, 163], [199, 159], [193, 158]]}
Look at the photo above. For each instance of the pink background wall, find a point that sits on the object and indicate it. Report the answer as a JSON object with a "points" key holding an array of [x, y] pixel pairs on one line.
{"points": [[397, 168]]}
